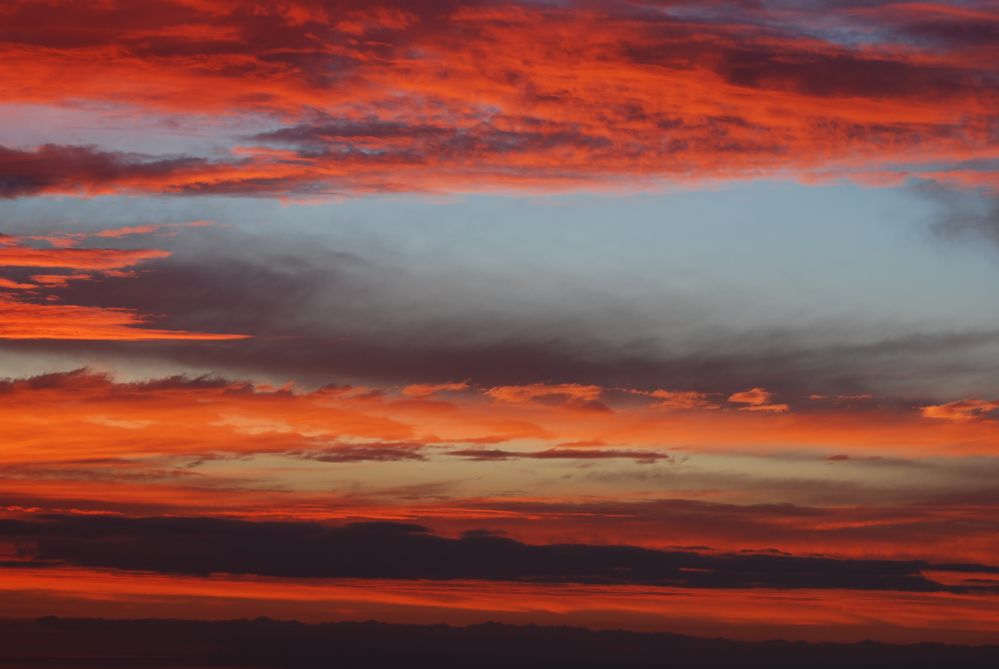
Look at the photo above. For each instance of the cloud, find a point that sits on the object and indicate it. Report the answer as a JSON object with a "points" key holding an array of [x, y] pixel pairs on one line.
{"points": [[430, 389], [216, 415], [574, 395], [757, 399], [317, 313], [181, 445], [35, 313], [102, 259], [277, 306], [62, 239], [88, 170], [753, 397], [10, 284], [967, 203], [23, 320], [681, 399], [436, 96], [406, 551], [961, 410], [842, 527], [490, 454], [367, 452]]}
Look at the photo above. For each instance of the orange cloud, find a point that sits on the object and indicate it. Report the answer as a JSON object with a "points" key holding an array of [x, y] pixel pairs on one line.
{"points": [[15, 285], [46, 319], [63, 239], [23, 320], [753, 397], [206, 446], [59, 279], [571, 394], [757, 399], [686, 399], [429, 389], [150, 229], [204, 416], [961, 410], [72, 258]]}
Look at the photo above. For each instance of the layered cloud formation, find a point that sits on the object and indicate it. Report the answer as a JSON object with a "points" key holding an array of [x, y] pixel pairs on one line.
{"points": [[341, 97], [37, 317], [649, 315]]}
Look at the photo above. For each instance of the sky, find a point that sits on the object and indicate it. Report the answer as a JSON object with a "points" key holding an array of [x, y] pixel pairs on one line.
{"points": [[633, 314]]}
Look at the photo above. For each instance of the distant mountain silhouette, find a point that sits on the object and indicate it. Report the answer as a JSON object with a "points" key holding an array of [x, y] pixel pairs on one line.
{"points": [[66, 643]]}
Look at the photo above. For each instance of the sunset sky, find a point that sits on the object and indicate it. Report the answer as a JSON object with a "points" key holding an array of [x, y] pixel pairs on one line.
{"points": [[638, 314]]}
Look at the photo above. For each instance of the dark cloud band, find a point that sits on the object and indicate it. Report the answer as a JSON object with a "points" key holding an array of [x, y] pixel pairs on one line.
{"points": [[384, 550]]}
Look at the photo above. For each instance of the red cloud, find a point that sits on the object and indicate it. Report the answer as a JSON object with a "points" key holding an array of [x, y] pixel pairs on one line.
{"points": [[435, 96]]}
